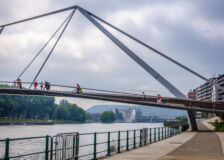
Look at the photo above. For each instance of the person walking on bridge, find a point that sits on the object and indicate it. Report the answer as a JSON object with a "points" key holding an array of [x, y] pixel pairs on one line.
{"points": [[159, 99], [35, 85], [41, 85], [79, 89], [14, 84], [143, 96], [19, 83]]}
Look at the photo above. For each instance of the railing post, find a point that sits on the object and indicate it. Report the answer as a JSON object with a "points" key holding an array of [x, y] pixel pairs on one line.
{"points": [[165, 132], [127, 138], [154, 134], [118, 143], [150, 135], [7, 149], [159, 134], [162, 132], [94, 147], [51, 157], [134, 139], [172, 131], [140, 137], [46, 147], [169, 131], [108, 144]]}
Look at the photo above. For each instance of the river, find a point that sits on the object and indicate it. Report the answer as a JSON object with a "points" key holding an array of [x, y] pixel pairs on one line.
{"points": [[18, 131]]}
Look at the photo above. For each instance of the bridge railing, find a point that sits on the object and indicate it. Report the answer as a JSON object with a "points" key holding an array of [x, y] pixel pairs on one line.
{"points": [[90, 145], [57, 87]]}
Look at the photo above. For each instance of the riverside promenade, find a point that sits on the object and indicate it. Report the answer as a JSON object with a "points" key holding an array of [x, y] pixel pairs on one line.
{"points": [[202, 145]]}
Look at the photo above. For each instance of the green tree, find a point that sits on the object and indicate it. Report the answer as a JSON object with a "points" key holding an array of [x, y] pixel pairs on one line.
{"points": [[88, 116], [107, 117]]}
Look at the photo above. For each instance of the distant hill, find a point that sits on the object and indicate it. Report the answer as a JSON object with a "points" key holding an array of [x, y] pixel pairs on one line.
{"points": [[153, 111]]}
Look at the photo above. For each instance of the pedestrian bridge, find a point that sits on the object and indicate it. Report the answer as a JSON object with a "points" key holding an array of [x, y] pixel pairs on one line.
{"points": [[181, 102], [115, 96]]}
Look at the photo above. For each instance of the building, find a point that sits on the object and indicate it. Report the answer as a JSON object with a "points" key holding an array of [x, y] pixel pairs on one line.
{"points": [[213, 91], [204, 92], [218, 89], [209, 91]]}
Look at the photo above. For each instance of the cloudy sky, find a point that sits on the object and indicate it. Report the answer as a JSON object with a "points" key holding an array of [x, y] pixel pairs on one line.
{"points": [[191, 32]]}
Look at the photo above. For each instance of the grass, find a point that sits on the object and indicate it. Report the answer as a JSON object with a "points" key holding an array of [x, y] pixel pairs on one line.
{"points": [[219, 127]]}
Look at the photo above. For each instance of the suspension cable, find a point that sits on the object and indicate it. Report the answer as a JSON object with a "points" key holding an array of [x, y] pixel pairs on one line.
{"points": [[147, 46], [44, 46], [59, 37], [40, 16]]}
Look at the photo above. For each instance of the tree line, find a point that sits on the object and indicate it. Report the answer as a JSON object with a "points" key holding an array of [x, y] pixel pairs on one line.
{"points": [[39, 107]]}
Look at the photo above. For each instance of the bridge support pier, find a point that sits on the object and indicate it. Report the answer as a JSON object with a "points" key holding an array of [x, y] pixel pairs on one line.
{"points": [[192, 121]]}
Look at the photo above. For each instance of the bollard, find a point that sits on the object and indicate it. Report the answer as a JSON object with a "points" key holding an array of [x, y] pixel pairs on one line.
{"points": [[46, 148], [94, 147], [7, 149], [127, 145], [108, 144], [150, 135], [134, 139], [118, 143]]}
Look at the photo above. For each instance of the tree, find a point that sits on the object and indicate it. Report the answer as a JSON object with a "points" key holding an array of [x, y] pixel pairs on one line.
{"points": [[88, 116], [107, 117], [64, 102]]}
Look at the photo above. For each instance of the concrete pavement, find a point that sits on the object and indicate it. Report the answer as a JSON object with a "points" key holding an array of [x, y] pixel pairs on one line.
{"points": [[155, 150], [202, 145]]}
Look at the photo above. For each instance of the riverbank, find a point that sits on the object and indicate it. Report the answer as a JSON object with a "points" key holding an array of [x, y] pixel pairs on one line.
{"points": [[37, 122]]}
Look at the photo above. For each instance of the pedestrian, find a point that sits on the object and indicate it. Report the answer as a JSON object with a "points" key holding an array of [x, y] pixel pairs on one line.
{"points": [[19, 83], [143, 97], [159, 99], [41, 85], [14, 84], [47, 85], [35, 85], [79, 89]]}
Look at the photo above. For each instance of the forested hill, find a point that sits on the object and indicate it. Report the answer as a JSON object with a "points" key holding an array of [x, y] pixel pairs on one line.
{"points": [[37, 107]]}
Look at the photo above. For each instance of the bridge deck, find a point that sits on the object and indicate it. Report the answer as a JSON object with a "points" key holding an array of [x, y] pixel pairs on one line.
{"points": [[173, 103]]}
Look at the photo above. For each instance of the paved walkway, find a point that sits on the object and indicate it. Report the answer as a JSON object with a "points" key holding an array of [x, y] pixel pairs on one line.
{"points": [[155, 150], [203, 145]]}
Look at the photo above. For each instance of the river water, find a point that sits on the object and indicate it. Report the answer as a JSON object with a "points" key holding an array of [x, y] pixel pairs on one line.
{"points": [[18, 131], [30, 146]]}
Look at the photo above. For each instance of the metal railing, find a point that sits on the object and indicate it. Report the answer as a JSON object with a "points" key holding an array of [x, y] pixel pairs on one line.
{"points": [[88, 145]]}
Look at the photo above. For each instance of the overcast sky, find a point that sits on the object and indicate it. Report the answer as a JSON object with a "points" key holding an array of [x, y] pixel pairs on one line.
{"points": [[191, 32]]}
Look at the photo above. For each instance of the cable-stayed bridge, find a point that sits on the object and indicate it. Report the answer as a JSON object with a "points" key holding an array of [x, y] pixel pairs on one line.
{"points": [[181, 102]]}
